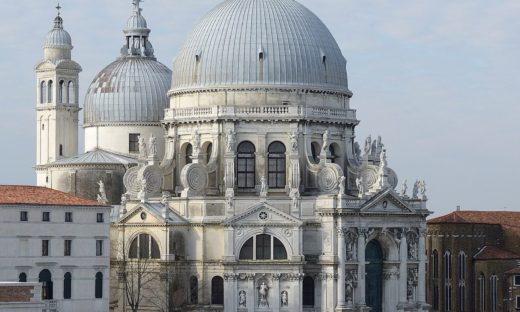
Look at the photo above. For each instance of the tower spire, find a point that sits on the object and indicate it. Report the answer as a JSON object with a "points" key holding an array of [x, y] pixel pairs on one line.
{"points": [[136, 4], [58, 7], [58, 21]]}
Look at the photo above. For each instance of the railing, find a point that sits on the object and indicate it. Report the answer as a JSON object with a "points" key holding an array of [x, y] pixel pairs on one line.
{"points": [[268, 112], [51, 305]]}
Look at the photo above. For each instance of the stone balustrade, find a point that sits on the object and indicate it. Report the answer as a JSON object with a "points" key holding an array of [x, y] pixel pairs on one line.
{"points": [[259, 112]]}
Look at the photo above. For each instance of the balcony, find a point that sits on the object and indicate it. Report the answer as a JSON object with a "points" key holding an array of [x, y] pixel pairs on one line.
{"points": [[186, 115]]}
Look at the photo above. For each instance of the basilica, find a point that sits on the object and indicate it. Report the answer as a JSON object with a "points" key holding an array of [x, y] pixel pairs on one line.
{"points": [[236, 179]]}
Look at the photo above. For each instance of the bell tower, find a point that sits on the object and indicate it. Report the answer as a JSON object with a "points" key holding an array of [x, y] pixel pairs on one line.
{"points": [[57, 105]]}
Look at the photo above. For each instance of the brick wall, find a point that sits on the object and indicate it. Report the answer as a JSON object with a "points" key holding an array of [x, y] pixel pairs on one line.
{"points": [[16, 293]]}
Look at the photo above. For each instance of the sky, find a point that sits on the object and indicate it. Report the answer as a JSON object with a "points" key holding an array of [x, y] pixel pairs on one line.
{"points": [[439, 80]]}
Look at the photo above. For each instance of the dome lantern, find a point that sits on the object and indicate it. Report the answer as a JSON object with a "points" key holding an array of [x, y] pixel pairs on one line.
{"points": [[136, 33]]}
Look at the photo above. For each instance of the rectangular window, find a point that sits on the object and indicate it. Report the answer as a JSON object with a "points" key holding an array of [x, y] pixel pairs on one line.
{"points": [[45, 248], [23, 216], [517, 280], [518, 302], [46, 216], [100, 218], [133, 142], [68, 216], [67, 250], [99, 248]]}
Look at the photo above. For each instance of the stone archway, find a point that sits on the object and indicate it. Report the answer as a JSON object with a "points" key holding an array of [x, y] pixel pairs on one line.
{"points": [[374, 276]]}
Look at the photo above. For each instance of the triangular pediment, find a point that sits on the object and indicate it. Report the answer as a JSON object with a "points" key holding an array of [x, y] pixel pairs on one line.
{"points": [[386, 201], [151, 213], [263, 214]]}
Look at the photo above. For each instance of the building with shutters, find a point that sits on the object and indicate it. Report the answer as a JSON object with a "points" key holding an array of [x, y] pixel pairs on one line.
{"points": [[474, 261], [58, 242]]}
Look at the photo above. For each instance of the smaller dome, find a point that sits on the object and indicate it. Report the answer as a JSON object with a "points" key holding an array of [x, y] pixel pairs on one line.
{"points": [[131, 89], [136, 21], [58, 37]]}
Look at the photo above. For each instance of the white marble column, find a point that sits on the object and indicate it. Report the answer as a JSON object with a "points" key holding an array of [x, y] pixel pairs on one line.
{"points": [[324, 294], [251, 293], [403, 268], [341, 268], [274, 293], [361, 245], [229, 244], [230, 296], [421, 280]]}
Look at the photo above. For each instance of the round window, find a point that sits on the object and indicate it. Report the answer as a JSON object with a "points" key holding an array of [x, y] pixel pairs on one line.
{"points": [[143, 216]]}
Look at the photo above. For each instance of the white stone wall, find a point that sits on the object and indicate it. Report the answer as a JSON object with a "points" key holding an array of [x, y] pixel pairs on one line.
{"points": [[115, 138], [21, 243]]}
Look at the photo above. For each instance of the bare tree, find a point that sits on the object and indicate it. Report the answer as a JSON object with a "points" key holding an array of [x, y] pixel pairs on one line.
{"points": [[138, 276]]}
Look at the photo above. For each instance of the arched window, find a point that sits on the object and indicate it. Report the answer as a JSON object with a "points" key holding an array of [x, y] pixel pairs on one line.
{"points": [[209, 150], [194, 290], [493, 292], [43, 92], [246, 166], [67, 286], [246, 253], [435, 269], [50, 91], [45, 278], [462, 281], [61, 91], [144, 246], [188, 154], [276, 165], [61, 149], [315, 151], [71, 93], [308, 291], [217, 290], [176, 245], [22, 278], [263, 247], [99, 285], [447, 281], [332, 153], [482, 292]]}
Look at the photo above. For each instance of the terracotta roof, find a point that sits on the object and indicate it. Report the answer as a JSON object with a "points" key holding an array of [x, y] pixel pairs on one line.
{"points": [[513, 271], [495, 253], [507, 218], [40, 196]]}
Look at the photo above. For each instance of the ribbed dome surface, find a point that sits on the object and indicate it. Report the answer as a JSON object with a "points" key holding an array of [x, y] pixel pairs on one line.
{"points": [[131, 89], [260, 42], [136, 21], [57, 37]]}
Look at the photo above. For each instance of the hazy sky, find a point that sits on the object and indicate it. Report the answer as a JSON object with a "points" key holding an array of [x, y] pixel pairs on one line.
{"points": [[438, 79]]}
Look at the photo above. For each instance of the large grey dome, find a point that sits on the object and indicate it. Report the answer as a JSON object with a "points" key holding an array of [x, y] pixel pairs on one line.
{"points": [[260, 43], [131, 89]]}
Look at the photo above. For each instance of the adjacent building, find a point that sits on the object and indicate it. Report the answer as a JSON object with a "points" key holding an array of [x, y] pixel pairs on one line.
{"points": [[474, 261], [60, 242]]}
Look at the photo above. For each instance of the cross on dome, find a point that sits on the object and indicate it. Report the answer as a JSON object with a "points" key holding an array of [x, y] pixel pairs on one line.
{"points": [[58, 7], [136, 3]]}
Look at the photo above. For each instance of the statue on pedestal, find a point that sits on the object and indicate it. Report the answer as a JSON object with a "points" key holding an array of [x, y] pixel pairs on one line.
{"points": [[242, 299], [263, 293]]}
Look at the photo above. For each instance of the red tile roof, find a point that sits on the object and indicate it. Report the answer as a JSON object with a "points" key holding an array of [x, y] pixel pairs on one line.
{"points": [[513, 271], [495, 253], [40, 196], [505, 218]]}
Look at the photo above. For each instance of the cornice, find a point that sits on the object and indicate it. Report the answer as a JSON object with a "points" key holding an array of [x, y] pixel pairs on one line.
{"points": [[262, 88]]}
